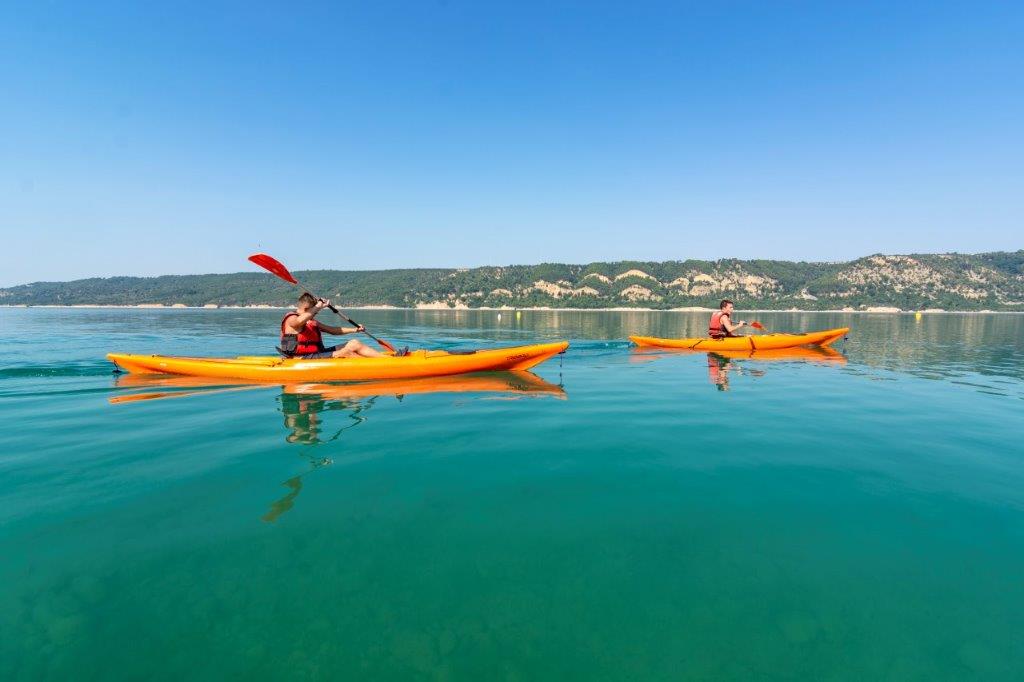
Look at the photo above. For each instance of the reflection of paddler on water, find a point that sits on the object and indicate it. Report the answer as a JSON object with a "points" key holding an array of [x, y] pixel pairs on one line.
{"points": [[303, 405], [302, 419], [718, 371], [301, 410], [719, 367]]}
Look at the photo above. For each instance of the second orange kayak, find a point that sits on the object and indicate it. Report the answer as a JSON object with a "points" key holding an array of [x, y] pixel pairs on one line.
{"points": [[748, 343]]}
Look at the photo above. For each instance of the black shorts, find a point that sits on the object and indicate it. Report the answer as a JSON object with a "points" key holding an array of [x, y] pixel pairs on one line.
{"points": [[325, 353]]}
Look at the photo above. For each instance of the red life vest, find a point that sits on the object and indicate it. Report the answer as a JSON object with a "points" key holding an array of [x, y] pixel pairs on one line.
{"points": [[716, 329], [309, 340]]}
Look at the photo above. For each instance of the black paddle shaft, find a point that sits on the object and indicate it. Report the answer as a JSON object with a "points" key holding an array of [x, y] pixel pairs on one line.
{"points": [[351, 321]]}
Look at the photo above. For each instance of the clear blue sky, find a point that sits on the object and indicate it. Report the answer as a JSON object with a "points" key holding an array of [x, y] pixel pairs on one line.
{"points": [[155, 138]]}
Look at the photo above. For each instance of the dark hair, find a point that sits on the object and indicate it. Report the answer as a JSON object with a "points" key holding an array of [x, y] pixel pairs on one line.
{"points": [[307, 298], [725, 302]]}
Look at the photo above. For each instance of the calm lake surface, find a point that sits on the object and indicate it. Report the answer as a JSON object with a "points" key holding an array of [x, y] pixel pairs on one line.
{"points": [[625, 515]]}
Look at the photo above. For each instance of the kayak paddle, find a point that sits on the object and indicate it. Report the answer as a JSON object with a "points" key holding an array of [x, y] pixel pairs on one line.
{"points": [[275, 266]]}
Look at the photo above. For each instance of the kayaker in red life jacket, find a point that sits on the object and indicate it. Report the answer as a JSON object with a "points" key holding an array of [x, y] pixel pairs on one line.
{"points": [[721, 325], [301, 335]]}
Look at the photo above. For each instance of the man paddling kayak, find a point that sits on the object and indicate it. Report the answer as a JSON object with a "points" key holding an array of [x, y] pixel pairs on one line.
{"points": [[302, 335], [721, 325]]}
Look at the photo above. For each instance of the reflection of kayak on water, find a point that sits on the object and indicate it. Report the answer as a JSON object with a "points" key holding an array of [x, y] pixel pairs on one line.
{"points": [[823, 354], [514, 383], [209, 389], [517, 383]]}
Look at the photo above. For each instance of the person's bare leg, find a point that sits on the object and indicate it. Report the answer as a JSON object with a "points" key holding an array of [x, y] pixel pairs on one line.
{"points": [[356, 348], [368, 352], [363, 350]]}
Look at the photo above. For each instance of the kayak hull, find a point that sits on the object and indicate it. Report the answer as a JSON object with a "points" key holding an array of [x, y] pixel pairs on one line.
{"points": [[746, 343], [421, 363]]}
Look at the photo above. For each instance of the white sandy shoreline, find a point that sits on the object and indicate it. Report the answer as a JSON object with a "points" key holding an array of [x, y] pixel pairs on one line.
{"points": [[881, 310]]}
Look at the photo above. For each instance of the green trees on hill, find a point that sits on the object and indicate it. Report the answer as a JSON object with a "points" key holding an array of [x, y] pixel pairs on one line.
{"points": [[950, 281]]}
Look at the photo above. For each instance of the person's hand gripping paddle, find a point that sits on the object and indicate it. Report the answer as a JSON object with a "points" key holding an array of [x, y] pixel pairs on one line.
{"points": [[275, 267]]}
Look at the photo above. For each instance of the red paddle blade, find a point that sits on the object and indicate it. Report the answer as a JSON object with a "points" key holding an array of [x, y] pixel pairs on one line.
{"points": [[273, 265], [757, 325]]}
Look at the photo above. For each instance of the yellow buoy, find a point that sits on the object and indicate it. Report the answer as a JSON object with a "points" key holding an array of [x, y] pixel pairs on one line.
{"points": [[917, 316], [519, 314]]}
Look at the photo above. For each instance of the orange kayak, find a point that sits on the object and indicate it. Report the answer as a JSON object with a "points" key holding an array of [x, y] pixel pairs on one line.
{"points": [[420, 363], [747, 343]]}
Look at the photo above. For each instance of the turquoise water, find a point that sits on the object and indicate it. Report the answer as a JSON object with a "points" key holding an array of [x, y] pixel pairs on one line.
{"points": [[623, 516]]}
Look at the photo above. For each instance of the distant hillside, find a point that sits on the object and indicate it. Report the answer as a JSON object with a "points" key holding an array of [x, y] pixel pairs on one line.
{"points": [[989, 281]]}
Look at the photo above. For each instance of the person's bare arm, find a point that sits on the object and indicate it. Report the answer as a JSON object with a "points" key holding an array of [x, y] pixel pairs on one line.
{"points": [[297, 323], [729, 326], [338, 331]]}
